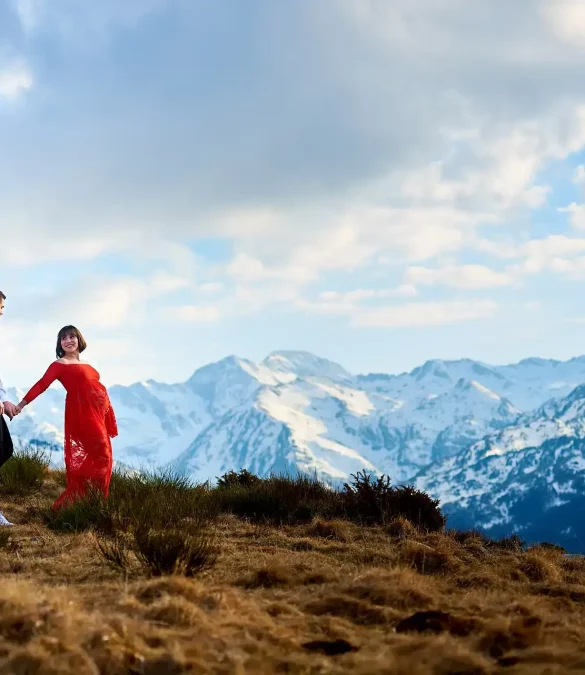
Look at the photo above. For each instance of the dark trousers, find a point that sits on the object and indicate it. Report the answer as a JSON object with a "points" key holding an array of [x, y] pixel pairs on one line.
{"points": [[6, 447]]}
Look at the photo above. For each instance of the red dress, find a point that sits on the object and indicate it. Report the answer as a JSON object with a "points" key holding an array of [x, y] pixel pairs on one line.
{"points": [[89, 424]]}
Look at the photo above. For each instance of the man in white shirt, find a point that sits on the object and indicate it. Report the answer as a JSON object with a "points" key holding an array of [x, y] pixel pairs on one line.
{"points": [[9, 409]]}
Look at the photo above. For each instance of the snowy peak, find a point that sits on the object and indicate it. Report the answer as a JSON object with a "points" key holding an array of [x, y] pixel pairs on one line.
{"points": [[431, 369], [471, 387], [468, 397], [230, 367], [303, 364]]}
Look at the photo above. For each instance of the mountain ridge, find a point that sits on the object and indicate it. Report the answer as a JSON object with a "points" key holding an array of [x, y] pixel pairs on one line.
{"points": [[398, 422]]}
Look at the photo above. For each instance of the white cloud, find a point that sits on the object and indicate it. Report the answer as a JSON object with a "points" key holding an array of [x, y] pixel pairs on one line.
{"points": [[557, 253], [349, 302], [107, 302], [579, 177], [383, 183], [195, 314], [301, 255], [577, 215], [536, 196], [247, 268], [567, 18], [425, 314], [209, 288], [539, 254], [15, 79], [29, 12], [249, 299], [80, 21], [504, 249], [472, 277], [489, 154], [26, 247], [163, 282], [360, 294], [573, 268], [103, 303]]}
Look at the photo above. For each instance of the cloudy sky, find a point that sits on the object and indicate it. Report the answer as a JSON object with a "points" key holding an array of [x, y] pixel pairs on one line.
{"points": [[376, 181]]}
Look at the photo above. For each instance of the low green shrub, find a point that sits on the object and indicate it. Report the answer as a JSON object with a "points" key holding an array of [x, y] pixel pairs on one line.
{"points": [[24, 472]]}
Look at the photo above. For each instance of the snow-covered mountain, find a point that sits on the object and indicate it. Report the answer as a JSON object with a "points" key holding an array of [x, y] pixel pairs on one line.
{"points": [[296, 411], [528, 477], [502, 447]]}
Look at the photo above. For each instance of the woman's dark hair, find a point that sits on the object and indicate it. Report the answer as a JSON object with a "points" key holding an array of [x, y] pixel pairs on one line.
{"points": [[2, 296], [69, 330]]}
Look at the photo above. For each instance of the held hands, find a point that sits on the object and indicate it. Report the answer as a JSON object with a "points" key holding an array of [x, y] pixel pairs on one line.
{"points": [[9, 409]]}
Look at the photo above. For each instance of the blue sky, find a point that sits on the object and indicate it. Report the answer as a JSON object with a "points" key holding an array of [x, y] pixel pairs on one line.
{"points": [[376, 182]]}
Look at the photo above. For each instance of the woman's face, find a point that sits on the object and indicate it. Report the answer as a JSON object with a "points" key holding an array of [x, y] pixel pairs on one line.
{"points": [[69, 343]]}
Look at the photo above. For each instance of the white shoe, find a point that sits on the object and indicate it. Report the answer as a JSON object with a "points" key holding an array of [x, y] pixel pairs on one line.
{"points": [[3, 520]]}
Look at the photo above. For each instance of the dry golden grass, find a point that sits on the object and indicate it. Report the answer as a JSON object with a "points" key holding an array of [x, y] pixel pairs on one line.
{"points": [[327, 597]]}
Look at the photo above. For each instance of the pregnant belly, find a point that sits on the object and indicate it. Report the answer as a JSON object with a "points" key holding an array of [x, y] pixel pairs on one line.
{"points": [[92, 399]]}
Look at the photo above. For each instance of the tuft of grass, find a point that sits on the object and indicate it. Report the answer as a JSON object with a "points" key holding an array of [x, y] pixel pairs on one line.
{"points": [[272, 576], [4, 537], [338, 530], [25, 472], [401, 528], [114, 550], [352, 609], [425, 559], [89, 513], [175, 551], [160, 552], [162, 500]]}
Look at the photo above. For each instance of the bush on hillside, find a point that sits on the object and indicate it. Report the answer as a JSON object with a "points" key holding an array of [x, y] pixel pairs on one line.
{"points": [[162, 501], [367, 501], [417, 507], [278, 499], [24, 472], [376, 502], [232, 479], [284, 500]]}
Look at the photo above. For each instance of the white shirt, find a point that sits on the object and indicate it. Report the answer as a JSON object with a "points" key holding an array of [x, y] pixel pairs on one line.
{"points": [[2, 392]]}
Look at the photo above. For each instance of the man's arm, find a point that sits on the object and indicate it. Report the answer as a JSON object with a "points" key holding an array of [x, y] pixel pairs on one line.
{"points": [[6, 407], [2, 397], [2, 392]]}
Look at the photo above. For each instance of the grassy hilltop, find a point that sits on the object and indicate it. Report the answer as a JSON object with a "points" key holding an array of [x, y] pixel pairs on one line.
{"points": [[272, 576]]}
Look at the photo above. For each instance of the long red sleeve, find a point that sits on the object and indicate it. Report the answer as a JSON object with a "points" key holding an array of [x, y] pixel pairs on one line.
{"points": [[44, 383]]}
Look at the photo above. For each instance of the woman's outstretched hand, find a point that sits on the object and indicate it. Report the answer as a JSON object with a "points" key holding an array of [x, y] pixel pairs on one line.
{"points": [[19, 408]]}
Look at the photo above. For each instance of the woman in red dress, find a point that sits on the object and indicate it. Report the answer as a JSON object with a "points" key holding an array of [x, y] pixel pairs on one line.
{"points": [[90, 422]]}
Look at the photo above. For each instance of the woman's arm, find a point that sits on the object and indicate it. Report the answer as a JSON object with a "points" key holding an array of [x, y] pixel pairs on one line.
{"points": [[42, 385]]}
